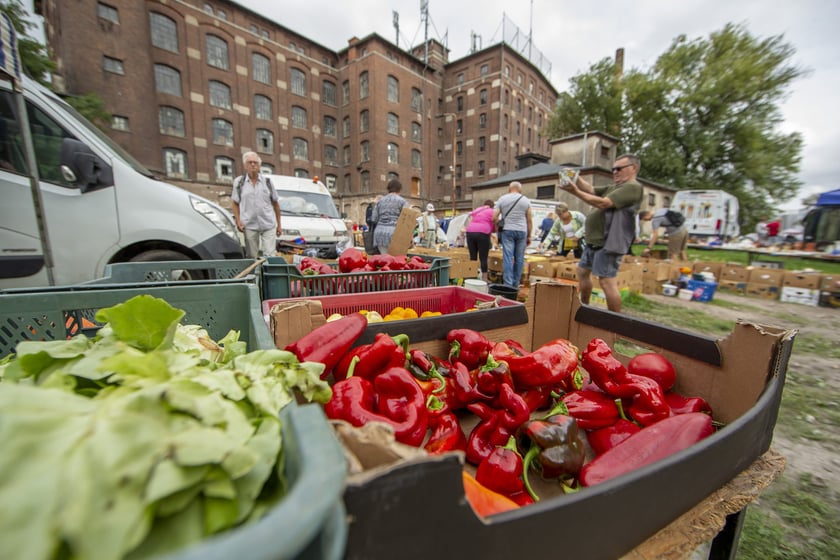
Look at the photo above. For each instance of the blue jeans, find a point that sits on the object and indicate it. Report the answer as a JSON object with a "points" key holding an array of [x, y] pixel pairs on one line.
{"points": [[513, 256]]}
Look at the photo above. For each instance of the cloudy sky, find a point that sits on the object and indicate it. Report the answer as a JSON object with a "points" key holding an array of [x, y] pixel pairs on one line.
{"points": [[574, 35]]}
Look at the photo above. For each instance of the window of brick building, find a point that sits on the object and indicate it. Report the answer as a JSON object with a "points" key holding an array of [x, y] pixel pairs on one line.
{"points": [[222, 132], [345, 92], [485, 69], [298, 81], [299, 117], [119, 122], [265, 141], [364, 121], [113, 65], [219, 95], [345, 158], [328, 93], [262, 107], [393, 124], [175, 163], [393, 89], [482, 120], [415, 159], [261, 68], [330, 155], [224, 169], [171, 121], [217, 52], [482, 143], [364, 85], [108, 13], [167, 80], [299, 172], [365, 181], [300, 148], [164, 32], [481, 167], [482, 97], [416, 100], [416, 132], [460, 102], [346, 127], [330, 126], [393, 153], [364, 151]]}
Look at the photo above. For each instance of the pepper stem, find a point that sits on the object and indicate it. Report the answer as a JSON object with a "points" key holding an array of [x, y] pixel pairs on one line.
{"points": [[352, 366], [526, 467], [435, 374], [559, 408], [621, 409]]}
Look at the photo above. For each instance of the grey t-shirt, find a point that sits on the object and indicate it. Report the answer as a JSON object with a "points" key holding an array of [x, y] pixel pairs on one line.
{"points": [[518, 204]]}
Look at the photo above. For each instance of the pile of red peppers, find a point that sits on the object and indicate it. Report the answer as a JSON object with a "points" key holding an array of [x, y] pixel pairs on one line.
{"points": [[576, 418]]}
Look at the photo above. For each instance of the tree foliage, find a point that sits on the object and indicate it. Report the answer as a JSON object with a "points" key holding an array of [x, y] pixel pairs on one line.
{"points": [[33, 55], [706, 115]]}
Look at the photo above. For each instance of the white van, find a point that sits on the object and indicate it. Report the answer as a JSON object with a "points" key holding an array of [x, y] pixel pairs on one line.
{"points": [[708, 213], [309, 217], [96, 203]]}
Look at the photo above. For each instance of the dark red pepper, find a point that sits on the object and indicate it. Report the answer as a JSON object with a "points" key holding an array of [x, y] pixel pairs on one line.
{"points": [[469, 347], [537, 398], [556, 446], [464, 384], [484, 438], [550, 365], [447, 434], [368, 360], [393, 398], [501, 471], [604, 439], [681, 405], [491, 376], [649, 445], [328, 343], [351, 259]]}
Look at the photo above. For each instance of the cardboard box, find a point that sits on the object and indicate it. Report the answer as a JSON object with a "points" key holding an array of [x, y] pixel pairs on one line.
{"points": [[740, 375], [494, 261], [290, 320], [401, 240], [830, 283], [567, 270], [732, 286], [462, 268], [712, 266], [802, 296], [734, 273], [542, 269], [764, 291], [809, 280], [768, 276]]}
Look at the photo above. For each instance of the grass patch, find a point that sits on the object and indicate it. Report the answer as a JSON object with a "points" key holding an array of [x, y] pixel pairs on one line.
{"points": [[794, 518], [818, 345], [695, 320], [810, 409]]}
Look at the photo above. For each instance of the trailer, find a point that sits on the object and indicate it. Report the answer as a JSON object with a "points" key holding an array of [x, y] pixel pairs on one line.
{"points": [[708, 213]]}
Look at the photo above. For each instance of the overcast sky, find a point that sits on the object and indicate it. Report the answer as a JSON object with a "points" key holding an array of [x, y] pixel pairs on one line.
{"points": [[574, 35]]}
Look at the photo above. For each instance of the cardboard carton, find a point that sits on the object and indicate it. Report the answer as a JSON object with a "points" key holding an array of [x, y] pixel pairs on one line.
{"points": [[764, 291], [732, 286], [768, 276], [802, 296], [734, 273], [713, 266], [290, 320], [740, 375], [401, 240], [809, 280]]}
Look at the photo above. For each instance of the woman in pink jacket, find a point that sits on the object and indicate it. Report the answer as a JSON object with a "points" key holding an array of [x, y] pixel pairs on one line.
{"points": [[479, 228]]}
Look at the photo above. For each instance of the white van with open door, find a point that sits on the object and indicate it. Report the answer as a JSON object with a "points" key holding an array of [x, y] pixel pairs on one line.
{"points": [[309, 217], [73, 201], [708, 213]]}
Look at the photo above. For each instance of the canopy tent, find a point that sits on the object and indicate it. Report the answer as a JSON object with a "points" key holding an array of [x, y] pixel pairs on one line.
{"points": [[830, 198]]}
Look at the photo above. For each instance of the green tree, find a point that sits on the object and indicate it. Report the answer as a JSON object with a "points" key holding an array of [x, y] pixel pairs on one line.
{"points": [[33, 55], [707, 115]]}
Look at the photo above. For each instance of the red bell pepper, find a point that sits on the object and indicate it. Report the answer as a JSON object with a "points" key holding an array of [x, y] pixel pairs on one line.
{"points": [[649, 445], [648, 405], [501, 471], [328, 343], [393, 398], [604, 439], [484, 501], [469, 347], [351, 259], [368, 360], [550, 365], [512, 409], [484, 438], [447, 434], [591, 409], [681, 405], [464, 384], [656, 366], [491, 376], [537, 398]]}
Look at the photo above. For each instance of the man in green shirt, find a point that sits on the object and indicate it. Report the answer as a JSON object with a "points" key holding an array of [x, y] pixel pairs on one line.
{"points": [[610, 227]]}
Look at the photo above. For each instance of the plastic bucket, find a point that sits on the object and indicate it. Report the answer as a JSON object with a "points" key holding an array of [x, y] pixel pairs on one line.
{"points": [[503, 290], [686, 294], [476, 285], [669, 290]]}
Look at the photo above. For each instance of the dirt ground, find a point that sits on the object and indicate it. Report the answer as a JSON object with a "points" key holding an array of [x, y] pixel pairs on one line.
{"points": [[822, 459]]}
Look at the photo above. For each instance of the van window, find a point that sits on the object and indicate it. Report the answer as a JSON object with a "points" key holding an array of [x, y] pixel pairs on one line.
{"points": [[306, 204], [11, 146], [47, 136]]}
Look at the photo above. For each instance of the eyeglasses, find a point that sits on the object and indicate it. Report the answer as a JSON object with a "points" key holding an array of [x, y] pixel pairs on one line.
{"points": [[254, 162], [620, 167]]}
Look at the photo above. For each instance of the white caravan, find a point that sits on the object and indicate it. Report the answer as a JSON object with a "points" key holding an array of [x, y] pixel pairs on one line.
{"points": [[708, 213]]}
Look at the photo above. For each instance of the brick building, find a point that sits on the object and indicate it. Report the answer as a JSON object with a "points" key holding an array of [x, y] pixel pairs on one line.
{"points": [[192, 84]]}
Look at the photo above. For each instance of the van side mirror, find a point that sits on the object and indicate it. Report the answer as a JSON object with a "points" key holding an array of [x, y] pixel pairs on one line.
{"points": [[81, 166]]}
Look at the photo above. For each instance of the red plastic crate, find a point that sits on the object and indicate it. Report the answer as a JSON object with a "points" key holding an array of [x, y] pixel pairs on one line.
{"points": [[452, 301]]}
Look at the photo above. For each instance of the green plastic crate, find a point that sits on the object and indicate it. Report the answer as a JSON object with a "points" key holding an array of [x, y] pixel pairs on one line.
{"points": [[309, 523], [62, 312], [280, 279], [171, 271]]}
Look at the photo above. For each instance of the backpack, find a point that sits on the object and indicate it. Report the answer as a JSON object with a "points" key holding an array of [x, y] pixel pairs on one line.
{"points": [[238, 186], [675, 218]]}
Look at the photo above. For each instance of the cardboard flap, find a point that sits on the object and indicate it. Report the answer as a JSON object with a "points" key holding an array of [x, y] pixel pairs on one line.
{"points": [[290, 320]]}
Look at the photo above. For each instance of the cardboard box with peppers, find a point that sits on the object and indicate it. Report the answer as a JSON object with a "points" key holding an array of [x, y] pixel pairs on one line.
{"points": [[577, 418], [739, 376]]}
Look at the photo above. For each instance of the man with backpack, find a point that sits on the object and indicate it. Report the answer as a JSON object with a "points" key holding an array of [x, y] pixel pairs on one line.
{"points": [[674, 224], [256, 208]]}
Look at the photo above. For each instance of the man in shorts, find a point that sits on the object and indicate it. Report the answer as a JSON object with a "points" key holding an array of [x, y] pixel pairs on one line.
{"points": [[610, 227]]}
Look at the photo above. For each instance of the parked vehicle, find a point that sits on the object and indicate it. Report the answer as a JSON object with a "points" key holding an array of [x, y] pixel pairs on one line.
{"points": [[87, 203], [309, 217], [708, 213]]}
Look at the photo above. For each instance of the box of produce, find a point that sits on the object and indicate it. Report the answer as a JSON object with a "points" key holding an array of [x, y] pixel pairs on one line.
{"points": [[354, 273], [160, 421], [592, 497], [425, 314]]}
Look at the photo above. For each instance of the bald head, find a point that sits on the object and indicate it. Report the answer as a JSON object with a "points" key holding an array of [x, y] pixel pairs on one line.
{"points": [[515, 186]]}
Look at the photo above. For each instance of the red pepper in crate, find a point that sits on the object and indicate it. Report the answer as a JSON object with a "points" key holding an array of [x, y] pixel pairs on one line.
{"points": [[681, 405], [497, 424], [447, 434], [328, 343], [502, 471], [351, 259], [417, 263], [368, 360], [556, 446], [484, 501], [469, 347], [656, 366], [649, 445], [393, 398], [550, 365], [604, 439], [491, 376], [485, 437], [610, 375], [591, 409], [537, 398], [464, 384]]}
